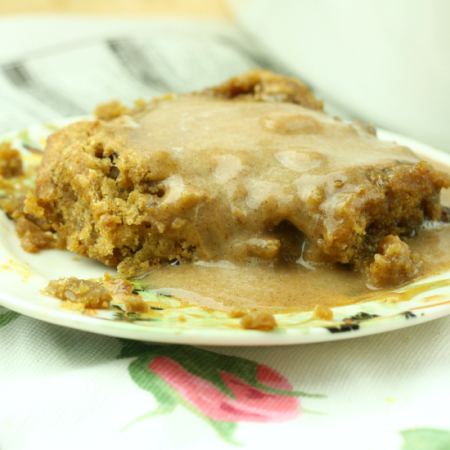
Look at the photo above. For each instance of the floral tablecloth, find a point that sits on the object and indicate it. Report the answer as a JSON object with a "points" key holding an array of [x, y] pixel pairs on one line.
{"points": [[66, 389]]}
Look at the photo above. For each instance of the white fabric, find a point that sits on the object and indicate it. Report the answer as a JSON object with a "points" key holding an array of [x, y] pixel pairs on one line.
{"points": [[61, 388]]}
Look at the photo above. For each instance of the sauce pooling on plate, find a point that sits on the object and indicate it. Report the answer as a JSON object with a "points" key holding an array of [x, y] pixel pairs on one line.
{"points": [[286, 288]]}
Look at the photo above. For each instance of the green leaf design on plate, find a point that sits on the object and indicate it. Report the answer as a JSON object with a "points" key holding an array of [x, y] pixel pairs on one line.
{"points": [[426, 439], [24, 137], [408, 314], [152, 296], [363, 316], [8, 317]]}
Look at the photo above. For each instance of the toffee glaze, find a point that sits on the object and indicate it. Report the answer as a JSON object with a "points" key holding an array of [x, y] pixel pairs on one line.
{"points": [[297, 287]]}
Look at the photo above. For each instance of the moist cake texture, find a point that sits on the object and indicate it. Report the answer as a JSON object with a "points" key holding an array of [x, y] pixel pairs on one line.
{"points": [[251, 172]]}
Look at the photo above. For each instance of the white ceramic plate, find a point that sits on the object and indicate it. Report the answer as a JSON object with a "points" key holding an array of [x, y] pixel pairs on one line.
{"points": [[23, 275]]}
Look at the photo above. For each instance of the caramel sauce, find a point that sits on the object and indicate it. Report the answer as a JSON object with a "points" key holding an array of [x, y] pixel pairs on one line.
{"points": [[230, 172], [282, 288], [287, 288]]}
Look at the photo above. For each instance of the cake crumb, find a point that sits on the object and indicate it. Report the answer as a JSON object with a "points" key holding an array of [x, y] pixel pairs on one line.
{"points": [[74, 306], [258, 321], [10, 161], [135, 304], [111, 110], [118, 286], [322, 312], [88, 293], [82, 295], [394, 264]]}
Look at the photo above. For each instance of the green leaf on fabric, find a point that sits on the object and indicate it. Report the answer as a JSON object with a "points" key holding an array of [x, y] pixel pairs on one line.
{"points": [[426, 439], [149, 381], [225, 430], [204, 364], [133, 348], [8, 317]]}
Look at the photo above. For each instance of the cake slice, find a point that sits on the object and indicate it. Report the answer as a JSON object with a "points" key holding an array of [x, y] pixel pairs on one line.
{"points": [[251, 172]]}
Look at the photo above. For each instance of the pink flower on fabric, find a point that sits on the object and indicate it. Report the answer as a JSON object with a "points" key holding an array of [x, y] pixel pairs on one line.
{"points": [[221, 389], [250, 403]]}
